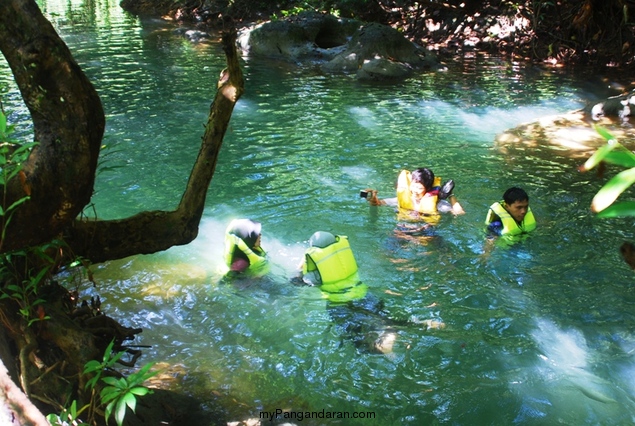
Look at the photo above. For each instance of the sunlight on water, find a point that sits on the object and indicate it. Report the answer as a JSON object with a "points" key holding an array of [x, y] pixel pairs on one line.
{"points": [[538, 333]]}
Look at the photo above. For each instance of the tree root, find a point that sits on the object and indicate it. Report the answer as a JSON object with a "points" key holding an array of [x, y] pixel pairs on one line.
{"points": [[15, 407]]}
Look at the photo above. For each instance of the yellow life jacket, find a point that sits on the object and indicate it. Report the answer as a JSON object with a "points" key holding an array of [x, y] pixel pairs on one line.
{"points": [[257, 261], [510, 226], [427, 207], [338, 272]]}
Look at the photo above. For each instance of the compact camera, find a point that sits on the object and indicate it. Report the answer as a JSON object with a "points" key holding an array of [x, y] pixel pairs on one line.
{"points": [[364, 194]]}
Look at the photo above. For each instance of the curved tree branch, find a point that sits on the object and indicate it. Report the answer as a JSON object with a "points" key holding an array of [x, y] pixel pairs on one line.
{"points": [[68, 122], [153, 231]]}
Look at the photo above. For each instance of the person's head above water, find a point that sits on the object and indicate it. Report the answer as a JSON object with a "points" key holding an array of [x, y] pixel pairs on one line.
{"points": [[321, 239], [516, 202], [421, 181], [246, 233], [247, 230]]}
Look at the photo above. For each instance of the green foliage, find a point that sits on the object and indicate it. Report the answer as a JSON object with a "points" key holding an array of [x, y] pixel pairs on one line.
{"points": [[117, 395], [97, 368], [123, 392], [613, 153], [68, 416], [12, 155], [24, 272]]}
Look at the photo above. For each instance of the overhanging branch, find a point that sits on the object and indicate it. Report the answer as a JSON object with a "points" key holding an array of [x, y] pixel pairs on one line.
{"points": [[153, 231]]}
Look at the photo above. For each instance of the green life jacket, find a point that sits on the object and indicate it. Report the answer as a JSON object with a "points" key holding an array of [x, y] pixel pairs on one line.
{"points": [[257, 261], [338, 272], [510, 226]]}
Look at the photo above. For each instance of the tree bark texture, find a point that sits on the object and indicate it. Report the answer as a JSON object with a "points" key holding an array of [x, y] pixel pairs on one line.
{"points": [[153, 231], [68, 121]]}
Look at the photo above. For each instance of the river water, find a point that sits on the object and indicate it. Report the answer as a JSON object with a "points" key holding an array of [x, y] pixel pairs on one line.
{"points": [[537, 334]]}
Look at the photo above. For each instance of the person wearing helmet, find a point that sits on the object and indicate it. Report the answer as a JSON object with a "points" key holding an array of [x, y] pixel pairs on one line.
{"points": [[330, 264], [242, 247]]}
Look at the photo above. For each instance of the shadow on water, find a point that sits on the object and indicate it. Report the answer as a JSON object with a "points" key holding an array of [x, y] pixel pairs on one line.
{"points": [[539, 333]]}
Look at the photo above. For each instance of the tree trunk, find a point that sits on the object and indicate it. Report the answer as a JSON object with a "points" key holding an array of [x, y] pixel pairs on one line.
{"points": [[153, 231], [68, 122]]}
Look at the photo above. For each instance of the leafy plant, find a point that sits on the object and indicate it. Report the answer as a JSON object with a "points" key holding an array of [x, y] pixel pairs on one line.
{"points": [[12, 155], [68, 417], [123, 392], [613, 153], [119, 393], [24, 272]]}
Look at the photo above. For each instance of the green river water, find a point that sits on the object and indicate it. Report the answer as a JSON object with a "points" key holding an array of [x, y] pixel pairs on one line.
{"points": [[538, 334]]}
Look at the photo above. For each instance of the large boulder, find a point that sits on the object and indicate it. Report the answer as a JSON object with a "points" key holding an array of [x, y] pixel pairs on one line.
{"points": [[309, 35], [371, 51], [378, 51]]}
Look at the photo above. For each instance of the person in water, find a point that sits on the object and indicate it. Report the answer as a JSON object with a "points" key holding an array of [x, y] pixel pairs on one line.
{"points": [[329, 264], [420, 194], [512, 216], [242, 247]]}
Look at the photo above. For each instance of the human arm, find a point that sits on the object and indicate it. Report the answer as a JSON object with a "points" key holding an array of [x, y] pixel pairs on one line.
{"points": [[445, 193], [374, 201], [456, 207]]}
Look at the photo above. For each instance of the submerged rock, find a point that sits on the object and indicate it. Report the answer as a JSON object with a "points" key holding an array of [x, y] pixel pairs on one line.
{"points": [[571, 135]]}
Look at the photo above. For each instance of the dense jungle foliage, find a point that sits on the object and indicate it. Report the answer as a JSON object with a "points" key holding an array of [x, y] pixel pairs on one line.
{"points": [[570, 32]]}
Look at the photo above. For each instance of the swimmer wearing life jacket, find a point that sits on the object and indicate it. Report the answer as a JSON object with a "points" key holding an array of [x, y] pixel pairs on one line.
{"points": [[242, 247], [420, 196], [512, 216], [329, 263]]}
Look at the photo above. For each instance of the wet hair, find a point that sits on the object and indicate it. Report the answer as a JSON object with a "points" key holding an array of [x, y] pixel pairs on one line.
{"points": [[423, 176], [515, 194]]}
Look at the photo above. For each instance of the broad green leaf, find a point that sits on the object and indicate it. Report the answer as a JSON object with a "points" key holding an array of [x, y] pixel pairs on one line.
{"points": [[599, 155], [108, 351], [109, 394], [3, 123], [91, 366], [612, 189], [23, 150], [140, 391], [92, 382], [624, 209], [131, 401], [142, 375], [112, 381], [112, 361], [73, 409], [604, 133], [108, 410], [623, 158], [120, 412]]}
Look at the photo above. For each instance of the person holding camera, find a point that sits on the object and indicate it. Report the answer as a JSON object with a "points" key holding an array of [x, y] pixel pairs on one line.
{"points": [[419, 196]]}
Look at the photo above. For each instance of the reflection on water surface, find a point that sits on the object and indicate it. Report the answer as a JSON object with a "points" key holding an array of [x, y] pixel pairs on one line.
{"points": [[539, 333]]}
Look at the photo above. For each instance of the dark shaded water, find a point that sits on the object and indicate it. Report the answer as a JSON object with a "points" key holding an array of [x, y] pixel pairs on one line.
{"points": [[538, 334]]}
